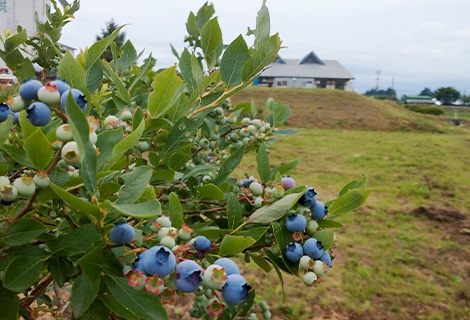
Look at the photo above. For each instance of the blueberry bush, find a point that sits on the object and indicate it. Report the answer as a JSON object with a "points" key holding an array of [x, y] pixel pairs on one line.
{"points": [[118, 186]]}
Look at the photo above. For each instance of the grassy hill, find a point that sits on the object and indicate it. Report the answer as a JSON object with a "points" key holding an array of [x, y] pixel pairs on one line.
{"points": [[334, 109]]}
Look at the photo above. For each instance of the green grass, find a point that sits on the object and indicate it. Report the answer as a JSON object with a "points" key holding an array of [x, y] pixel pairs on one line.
{"points": [[391, 263]]}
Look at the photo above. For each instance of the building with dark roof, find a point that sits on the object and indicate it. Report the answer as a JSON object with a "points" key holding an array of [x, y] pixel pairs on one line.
{"points": [[309, 72]]}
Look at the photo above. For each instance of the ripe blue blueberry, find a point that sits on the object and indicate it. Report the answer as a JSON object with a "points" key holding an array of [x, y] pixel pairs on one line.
{"points": [[326, 258], [61, 85], [319, 210], [139, 263], [287, 182], [235, 289], [158, 260], [202, 243], [39, 113], [122, 233], [309, 198], [229, 266], [4, 111], [293, 252], [313, 248], [77, 95], [246, 182], [296, 222], [29, 89], [188, 276]]}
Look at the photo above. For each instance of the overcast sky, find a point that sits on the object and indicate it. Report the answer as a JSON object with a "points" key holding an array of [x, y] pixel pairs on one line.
{"points": [[412, 44]]}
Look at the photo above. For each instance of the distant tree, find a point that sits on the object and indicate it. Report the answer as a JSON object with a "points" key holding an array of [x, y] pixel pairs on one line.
{"points": [[447, 95], [427, 92], [382, 94], [110, 27]]}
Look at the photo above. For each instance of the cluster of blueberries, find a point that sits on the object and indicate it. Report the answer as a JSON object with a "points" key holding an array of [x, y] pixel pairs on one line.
{"points": [[38, 99], [160, 269], [310, 255]]}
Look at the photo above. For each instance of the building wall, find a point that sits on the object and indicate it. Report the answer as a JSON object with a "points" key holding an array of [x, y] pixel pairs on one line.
{"points": [[289, 82], [21, 12]]}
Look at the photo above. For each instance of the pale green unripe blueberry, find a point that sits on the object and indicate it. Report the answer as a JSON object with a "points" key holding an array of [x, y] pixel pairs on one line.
{"points": [[306, 263], [64, 132], [49, 94], [231, 118], [310, 278], [168, 241], [215, 277], [252, 129], [70, 152], [143, 146], [41, 179], [184, 233], [256, 188], [267, 315], [204, 143], [16, 104], [206, 179], [25, 186], [312, 227], [111, 122], [4, 181], [164, 221], [219, 111], [246, 121], [319, 267], [93, 137], [8, 193], [93, 123], [257, 123], [258, 202], [125, 115]]}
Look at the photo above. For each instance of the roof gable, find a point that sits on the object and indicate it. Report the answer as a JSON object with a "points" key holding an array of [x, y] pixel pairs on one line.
{"points": [[311, 58]]}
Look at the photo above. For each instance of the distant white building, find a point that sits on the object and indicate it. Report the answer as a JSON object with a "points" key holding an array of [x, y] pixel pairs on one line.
{"points": [[22, 12], [309, 72]]}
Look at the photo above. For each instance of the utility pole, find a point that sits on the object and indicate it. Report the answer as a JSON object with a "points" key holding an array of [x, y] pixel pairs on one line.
{"points": [[377, 82]]}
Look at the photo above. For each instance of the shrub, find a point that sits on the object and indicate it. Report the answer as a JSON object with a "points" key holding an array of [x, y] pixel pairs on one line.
{"points": [[104, 190], [435, 110]]}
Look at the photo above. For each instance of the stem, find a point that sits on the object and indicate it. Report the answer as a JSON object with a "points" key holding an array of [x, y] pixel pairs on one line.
{"points": [[37, 291]]}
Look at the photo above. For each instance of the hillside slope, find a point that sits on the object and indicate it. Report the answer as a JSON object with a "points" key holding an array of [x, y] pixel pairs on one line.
{"points": [[327, 109]]}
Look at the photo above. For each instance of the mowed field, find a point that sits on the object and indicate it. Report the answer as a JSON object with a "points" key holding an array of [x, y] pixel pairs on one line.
{"points": [[406, 253]]}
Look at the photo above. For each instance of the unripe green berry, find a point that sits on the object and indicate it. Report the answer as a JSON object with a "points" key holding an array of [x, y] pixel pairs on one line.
{"points": [[41, 179], [319, 267], [168, 241], [4, 181], [125, 115], [64, 132], [258, 203], [8, 193], [310, 278], [111, 122], [312, 227], [25, 185], [256, 188]]}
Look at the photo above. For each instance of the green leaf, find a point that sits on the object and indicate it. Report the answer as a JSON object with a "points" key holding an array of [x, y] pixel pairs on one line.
{"points": [[262, 263], [234, 211], [124, 145], [107, 139], [60, 269], [121, 91], [327, 223], [235, 56], [181, 131], [279, 112], [5, 127], [15, 40], [121, 310], [175, 211], [232, 245], [9, 304], [353, 185], [211, 41], [255, 233], [91, 210], [326, 238], [229, 165], [190, 70], [141, 303], [135, 183], [17, 154], [284, 167], [39, 150], [128, 56], [143, 210], [71, 71], [266, 54], [262, 161], [22, 272], [349, 201], [263, 26], [96, 50], [87, 153], [75, 243], [166, 92], [23, 231], [91, 264], [276, 210], [209, 191], [94, 76], [283, 237], [84, 292]]}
